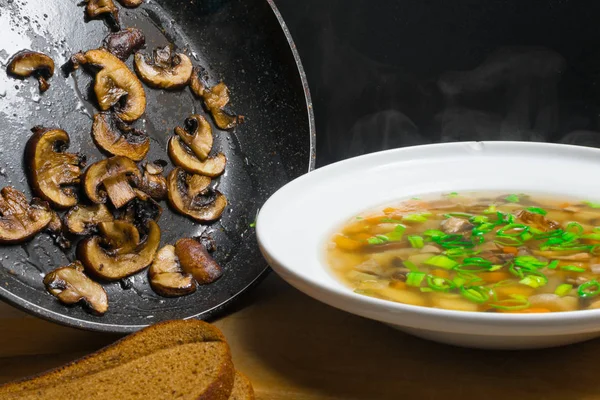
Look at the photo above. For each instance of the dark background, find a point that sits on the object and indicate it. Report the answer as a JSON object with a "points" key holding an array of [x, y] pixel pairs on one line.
{"points": [[392, 73]]}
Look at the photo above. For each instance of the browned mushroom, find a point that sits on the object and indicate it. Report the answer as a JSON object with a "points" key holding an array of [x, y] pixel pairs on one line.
{"points": [[83, 219], [165, 70], [195, 260], [113, 175], [19, 220], [167, 277], [56, 231], [153, 183], [184, 158], [131, 3], [191, 195], [121, 237], [103, 9], [141, 210], [107, 265], [197, 135], [115, 84], [71, 286], [52, 171], [117, 138], [215, 100], [124, 43], [538, 220], [27, 63]]}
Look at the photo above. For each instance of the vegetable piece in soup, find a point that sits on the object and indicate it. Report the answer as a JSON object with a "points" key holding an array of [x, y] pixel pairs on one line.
{"points": [[506, 253]]}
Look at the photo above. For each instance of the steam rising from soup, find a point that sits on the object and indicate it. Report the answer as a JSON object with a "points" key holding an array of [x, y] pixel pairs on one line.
{"points": [[475, 252]]}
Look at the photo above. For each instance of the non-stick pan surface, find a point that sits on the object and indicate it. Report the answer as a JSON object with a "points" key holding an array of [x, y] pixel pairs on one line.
{"points": [[244, 43]]}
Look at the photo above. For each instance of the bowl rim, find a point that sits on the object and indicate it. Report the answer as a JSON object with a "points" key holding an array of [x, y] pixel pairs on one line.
{"points": [[302, 282]]}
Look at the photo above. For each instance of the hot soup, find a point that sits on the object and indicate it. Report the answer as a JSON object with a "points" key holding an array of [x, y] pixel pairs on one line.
{"points": [[475, 252]]}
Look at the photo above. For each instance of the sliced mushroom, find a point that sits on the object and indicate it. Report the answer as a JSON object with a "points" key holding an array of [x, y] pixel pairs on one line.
{"points": [[167, 277], [197, 135], [27, 63], [83, 219], [56, 231], [215, 100], [538, 220], [52, 171], [184, 158], [121, 237], [102, 263], [117, 138], [165, 70], [71, 286], [195, 260], [131, 3], [115, 84], [19, 220], [140, 211], [113, 175], [191, 195], [153, 183], [124, 43], [103, 9]]}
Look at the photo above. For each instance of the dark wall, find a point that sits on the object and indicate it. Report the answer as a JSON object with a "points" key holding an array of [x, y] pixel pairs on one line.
{"points": [[391, 73]]}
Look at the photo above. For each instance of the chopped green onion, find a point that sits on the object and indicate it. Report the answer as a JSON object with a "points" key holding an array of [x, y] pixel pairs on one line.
{"points": [[495, 268], [459, 281], [519, 228], [576, 226], [591, 236], [534, 281], [415, 278], [511, 304], [470, 269], [415, 217], [440, 284], [253, 225], [592, 205], [595, 250], [568, 236], [563, 290], [508, 241], [460, 252], [572, 268], [426, 290], [545, 235], [441, 262], [359, 218], [434, 234], [529, 261], [396, 234], [490, 210], [570, 248], [526, 236], [482, 262], [479, 219], [537, 210], [458, 214], [378, 239], [589, 289], [553, 264], [451, 194], [476, 294], [416, 241], [411, 266], [513, 198]]}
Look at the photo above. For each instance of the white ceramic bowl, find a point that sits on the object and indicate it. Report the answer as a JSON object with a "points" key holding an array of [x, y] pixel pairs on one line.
{"points": [[296, 222]]}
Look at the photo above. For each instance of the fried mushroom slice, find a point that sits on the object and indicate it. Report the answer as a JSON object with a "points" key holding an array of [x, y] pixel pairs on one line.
{"points": [[107, 265], [215, 100], [103, 9], [19, 220], [115, 84], [118, 139], [83, 219], [124, 43], [121, 237], [52, 171], [111, 178], [184, 158], [192, 196], [165, 70], [167, 277], [27, 63], [71, 286], [153, 183], [195, 260], [130, 3], [197, 135]]}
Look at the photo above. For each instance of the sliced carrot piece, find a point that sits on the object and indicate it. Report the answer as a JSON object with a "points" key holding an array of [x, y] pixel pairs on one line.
{"points": [[564, 205], [345, 243], [510, 250], [398, 285], [440, 273], [495, 276], [508, 290]]}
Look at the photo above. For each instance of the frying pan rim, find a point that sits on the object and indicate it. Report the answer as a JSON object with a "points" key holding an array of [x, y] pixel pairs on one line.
{"points": [[218, 310]]}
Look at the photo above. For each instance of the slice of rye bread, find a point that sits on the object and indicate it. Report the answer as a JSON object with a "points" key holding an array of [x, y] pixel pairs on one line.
{"points": [[242, 388], [189, 358]]}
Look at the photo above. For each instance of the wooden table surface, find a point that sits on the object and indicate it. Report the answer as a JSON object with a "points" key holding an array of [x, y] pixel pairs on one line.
{"points": [[293, 347]]}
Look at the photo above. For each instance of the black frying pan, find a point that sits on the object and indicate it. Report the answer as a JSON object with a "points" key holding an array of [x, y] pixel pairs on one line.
{"points": [[243, 42]]}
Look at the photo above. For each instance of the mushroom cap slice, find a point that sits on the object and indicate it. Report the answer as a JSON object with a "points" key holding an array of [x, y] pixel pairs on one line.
{"points": [[130, 3], [166, 275], [164, 70], [113, 82], [195, 260], [19, 220], [215, 100], [116, 138], [51, 169], [113, 174], [124, 43], [26, 63], [153, 183], [197, 135], [191, 195], [71, 286], [121, 237], [83, 219], [111, 267], [182, 157], [103, 9]]}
